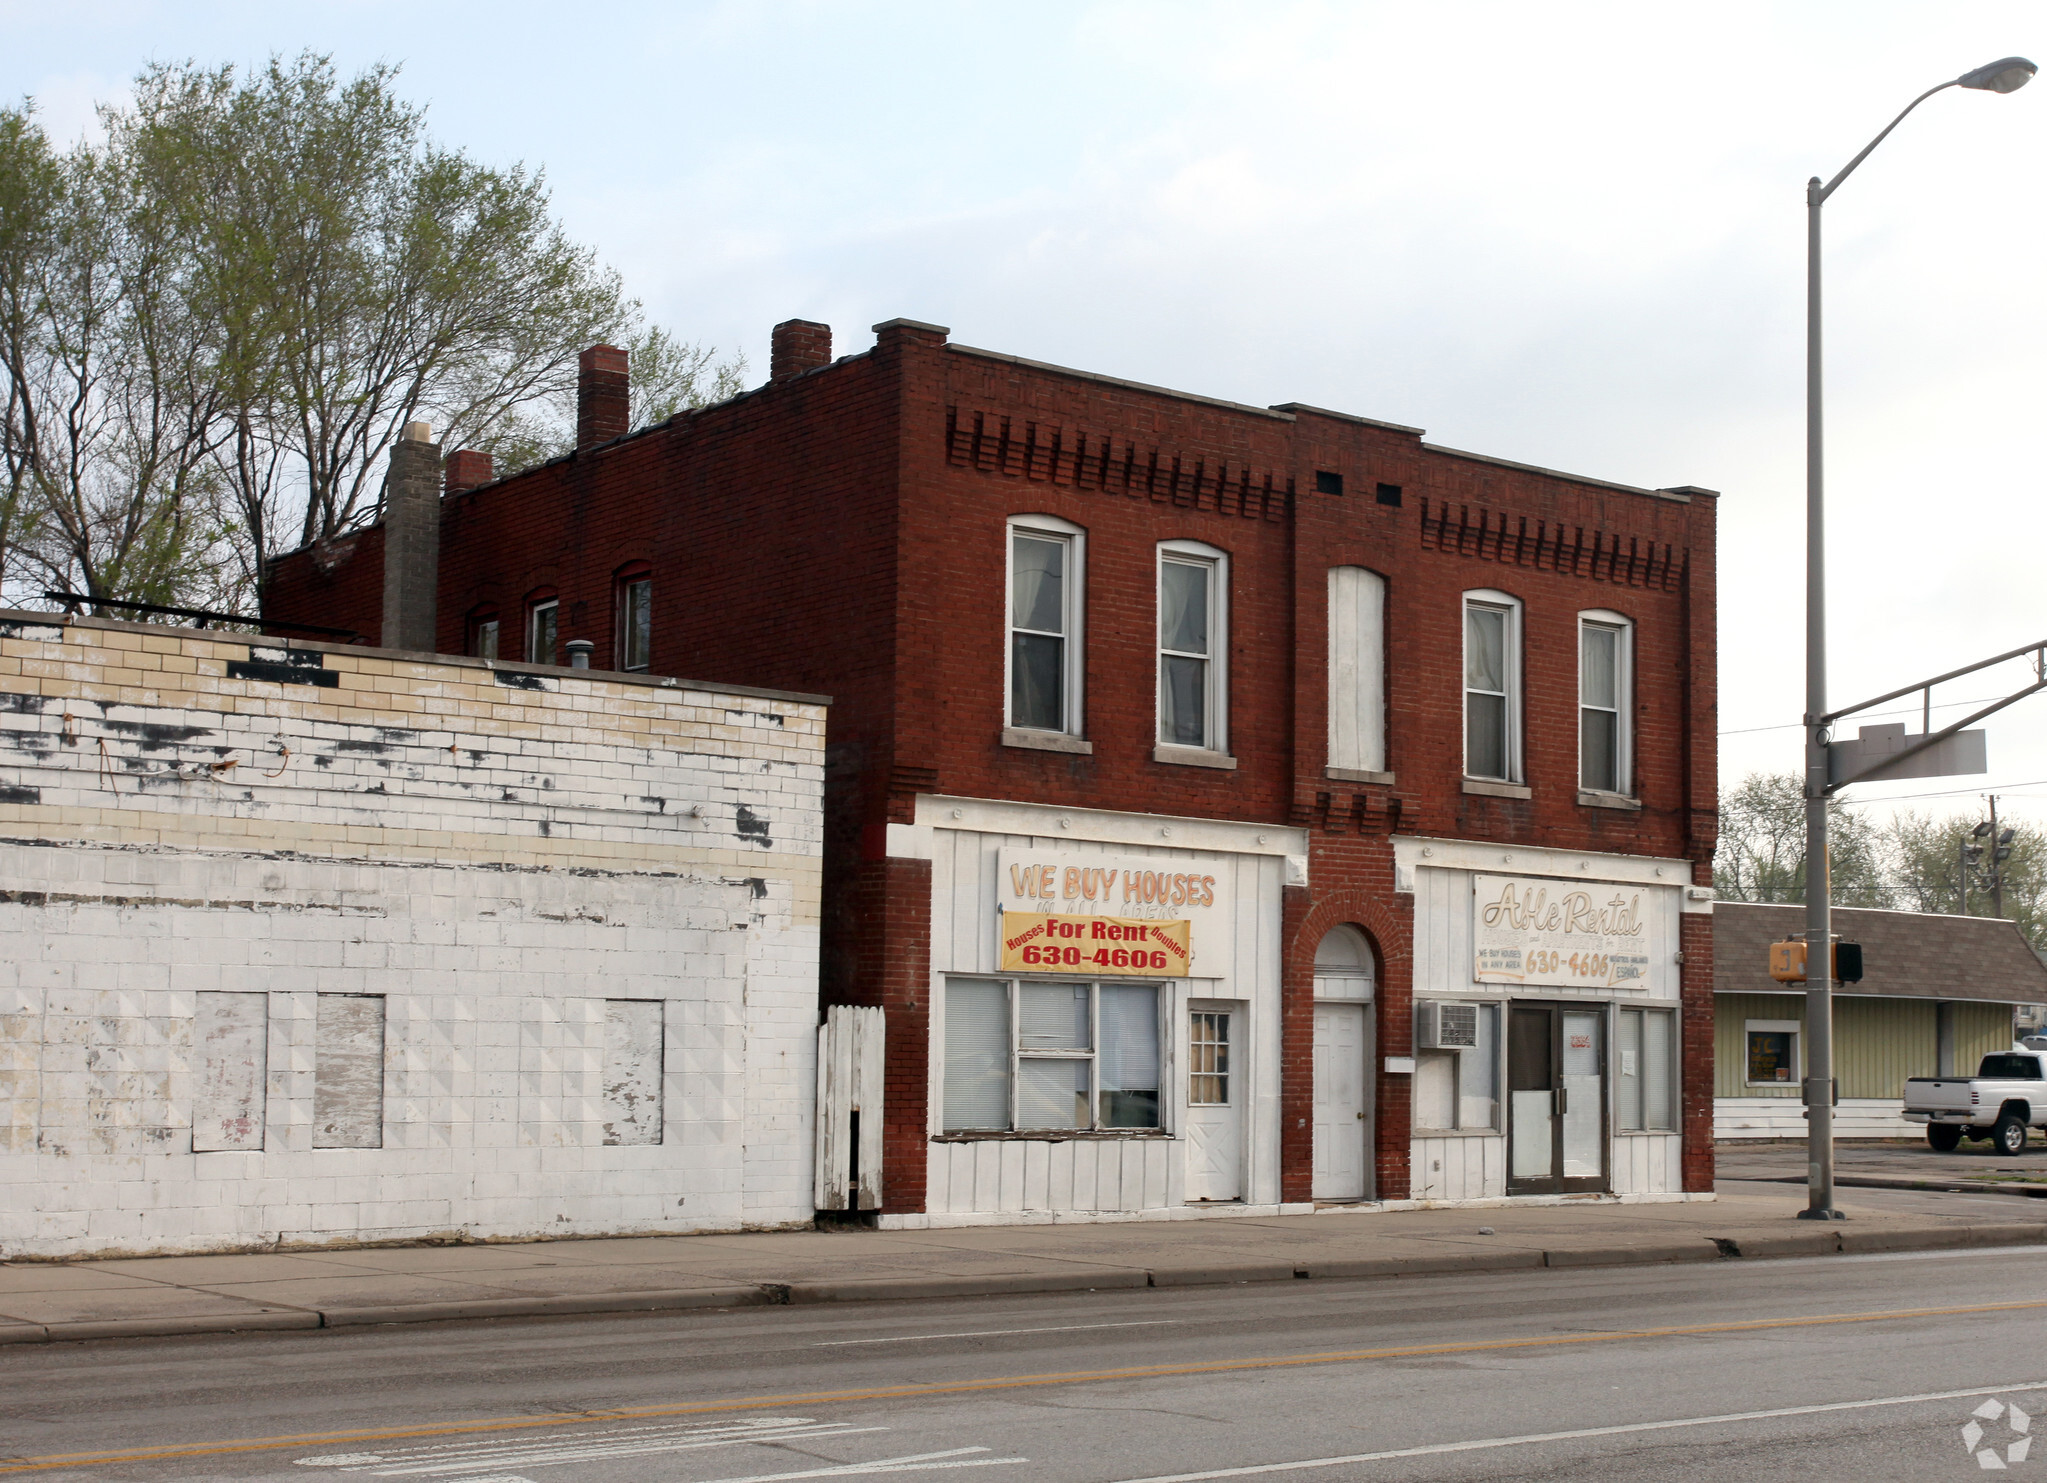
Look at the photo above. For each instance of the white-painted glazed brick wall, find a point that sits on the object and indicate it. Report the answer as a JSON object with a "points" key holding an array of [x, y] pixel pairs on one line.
{"points": [[496, 850]]}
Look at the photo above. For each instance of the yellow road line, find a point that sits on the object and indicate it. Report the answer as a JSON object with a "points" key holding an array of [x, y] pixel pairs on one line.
{"points": [[968, 1387]]}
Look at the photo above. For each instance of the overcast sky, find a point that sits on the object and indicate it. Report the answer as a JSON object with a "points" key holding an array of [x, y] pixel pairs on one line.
{"points": [[1567, 234]]}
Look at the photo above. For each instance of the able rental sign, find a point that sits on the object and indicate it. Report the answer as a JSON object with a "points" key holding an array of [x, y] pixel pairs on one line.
{"points": [[1575, 934]]}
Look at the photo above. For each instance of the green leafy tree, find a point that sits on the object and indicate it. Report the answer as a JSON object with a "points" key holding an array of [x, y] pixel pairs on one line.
{"points": [[1761, 853], [1930, 873]]}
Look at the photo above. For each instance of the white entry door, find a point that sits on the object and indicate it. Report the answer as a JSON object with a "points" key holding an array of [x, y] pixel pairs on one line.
{"points": [[1343, 1102], [1215, 1098]]}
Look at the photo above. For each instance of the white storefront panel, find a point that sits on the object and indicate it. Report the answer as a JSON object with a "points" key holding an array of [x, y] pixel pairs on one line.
{"points": [[1496, 925], [1121, 891]]}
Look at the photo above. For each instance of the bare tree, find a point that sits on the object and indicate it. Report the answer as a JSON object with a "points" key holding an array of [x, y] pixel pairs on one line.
{"points": [[214, 326], [1761, 854]]}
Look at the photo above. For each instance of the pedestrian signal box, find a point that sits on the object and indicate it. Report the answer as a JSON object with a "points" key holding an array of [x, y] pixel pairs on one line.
{"points": [[1787, 962]]}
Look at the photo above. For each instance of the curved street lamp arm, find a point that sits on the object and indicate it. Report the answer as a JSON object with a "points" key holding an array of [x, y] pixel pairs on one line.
{"points": [[1828, 189]]}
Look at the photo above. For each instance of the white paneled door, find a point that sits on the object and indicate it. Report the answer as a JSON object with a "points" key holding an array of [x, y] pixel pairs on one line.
{"points": [[1343, 1102], [1215, 1101]]}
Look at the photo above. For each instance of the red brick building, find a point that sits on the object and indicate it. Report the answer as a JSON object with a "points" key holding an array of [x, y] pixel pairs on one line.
{"points": [[1231, 807]]}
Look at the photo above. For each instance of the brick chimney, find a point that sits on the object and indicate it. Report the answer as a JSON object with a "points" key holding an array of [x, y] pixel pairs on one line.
{"points": [[467, 470], [412, 540], [796, 346], [603, 396]]}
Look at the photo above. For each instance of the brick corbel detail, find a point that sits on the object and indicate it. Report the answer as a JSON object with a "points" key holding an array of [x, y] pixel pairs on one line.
{"points": [[1305, 924]]}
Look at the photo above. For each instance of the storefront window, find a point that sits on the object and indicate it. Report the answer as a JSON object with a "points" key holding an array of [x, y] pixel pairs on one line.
{"points": [[1081, 1056], [1772, 1052], [1459, 1090], [1645, 1087]]}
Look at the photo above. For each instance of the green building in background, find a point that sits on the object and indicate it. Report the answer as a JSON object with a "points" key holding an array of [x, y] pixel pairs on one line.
{"points": [[1937, 994]]}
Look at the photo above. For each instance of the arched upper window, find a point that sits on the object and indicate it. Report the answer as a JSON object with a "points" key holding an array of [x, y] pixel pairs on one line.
{"points": [[633, 617], [1606, 688], [1357, 670], [1492, 686], [1043, 681], [482, 638], [1194, 648], [1343, 965], [543, 627]]}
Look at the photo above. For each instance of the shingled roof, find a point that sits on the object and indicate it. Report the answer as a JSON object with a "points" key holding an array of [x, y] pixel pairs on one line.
{"points": [[1905, 954]]}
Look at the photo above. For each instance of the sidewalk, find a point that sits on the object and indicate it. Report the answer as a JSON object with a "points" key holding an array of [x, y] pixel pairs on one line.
{"points": [[1897, 1163], [46, 1302]]}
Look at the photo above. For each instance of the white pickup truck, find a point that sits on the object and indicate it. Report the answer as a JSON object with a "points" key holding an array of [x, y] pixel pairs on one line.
{"points": [[2007, 1095]]}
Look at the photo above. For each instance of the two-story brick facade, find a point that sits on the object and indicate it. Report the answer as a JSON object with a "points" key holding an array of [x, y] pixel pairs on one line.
{"points": [[1186, 759]]}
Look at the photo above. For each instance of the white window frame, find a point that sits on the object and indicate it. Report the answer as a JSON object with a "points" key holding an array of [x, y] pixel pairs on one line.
{"points": [[533, 612], [1075, 615], [1163, 1002], [1216, 742], [625, 620], [1616, 1069], [1497, 1126], [1357, 732], [1623, 698], [1776, 1027], [1492, 598]]}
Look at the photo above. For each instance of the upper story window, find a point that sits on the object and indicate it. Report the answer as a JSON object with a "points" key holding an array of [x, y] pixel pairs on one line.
{"points": [[635, 619], [543, 623], [483, 634], [1492, 686], [1357, 669], [1605, 690], [1193, 695], [1046, 558]]}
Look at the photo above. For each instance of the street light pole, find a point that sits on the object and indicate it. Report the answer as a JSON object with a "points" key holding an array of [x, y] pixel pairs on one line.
{"points": [[2003, 76]]}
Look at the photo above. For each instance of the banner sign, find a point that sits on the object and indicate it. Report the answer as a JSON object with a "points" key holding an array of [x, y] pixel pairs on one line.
{"points": [[1189, 897], [1564, 933], [1039, 942]]}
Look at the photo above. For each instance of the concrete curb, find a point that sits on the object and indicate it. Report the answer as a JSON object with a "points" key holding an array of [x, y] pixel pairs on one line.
{"points": [[1901, 1181], [892, 1289], [1763, 1245], [747, 1296]]}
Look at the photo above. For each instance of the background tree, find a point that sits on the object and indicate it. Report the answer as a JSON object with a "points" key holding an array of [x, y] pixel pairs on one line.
{"points": [[1927, 871], [214, 325], [1761, 854]]}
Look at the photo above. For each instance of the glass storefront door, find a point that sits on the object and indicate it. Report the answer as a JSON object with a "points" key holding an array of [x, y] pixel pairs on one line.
{"points": [[1556, 1099]]}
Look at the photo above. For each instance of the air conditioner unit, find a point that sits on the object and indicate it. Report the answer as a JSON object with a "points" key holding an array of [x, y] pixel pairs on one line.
{"points": [[1439, 1025]]}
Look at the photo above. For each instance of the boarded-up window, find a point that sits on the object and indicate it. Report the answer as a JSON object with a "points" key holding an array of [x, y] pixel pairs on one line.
{"points": [[1357, 669], [229, 1035], [632, 1071], [348, 1072]]}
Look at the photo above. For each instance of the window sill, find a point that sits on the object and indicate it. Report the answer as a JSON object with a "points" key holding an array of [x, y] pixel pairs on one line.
{"points": [[1193, 757], [1357, 775], [1645, 1132], [1485, 789], [1046, 741], [1609, 800], [1458, 1133], [1051, 1135]]}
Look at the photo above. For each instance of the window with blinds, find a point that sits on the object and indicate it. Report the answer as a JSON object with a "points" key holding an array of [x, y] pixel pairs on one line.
{"points": [[1645, 1090], [1026, 1056]]}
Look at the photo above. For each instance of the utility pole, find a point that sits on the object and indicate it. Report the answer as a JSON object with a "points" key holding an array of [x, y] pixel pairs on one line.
{"points": [[1998, 850]]}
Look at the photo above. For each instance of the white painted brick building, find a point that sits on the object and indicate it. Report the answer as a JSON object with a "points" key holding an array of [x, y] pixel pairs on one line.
{"points": [[322, 943]]}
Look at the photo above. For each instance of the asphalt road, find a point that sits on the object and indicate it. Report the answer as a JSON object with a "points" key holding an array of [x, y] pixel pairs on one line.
{"points": [[1840, 1367]]}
